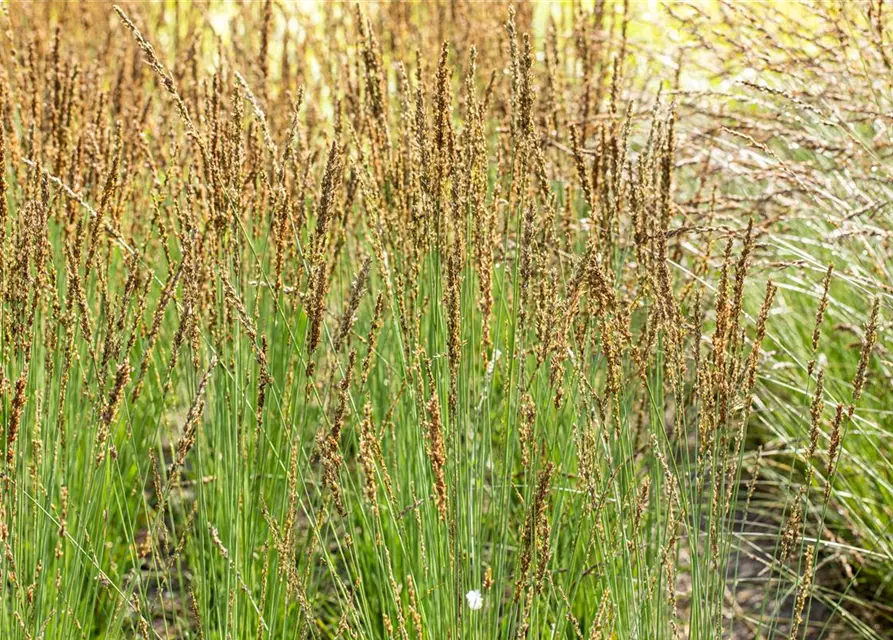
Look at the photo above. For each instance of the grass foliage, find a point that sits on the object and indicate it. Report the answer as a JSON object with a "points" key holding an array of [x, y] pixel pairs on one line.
{"points": [[453, 320]]}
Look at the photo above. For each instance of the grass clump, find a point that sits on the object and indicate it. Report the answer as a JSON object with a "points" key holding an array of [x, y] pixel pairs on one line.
{"points": [[424, 321]]}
